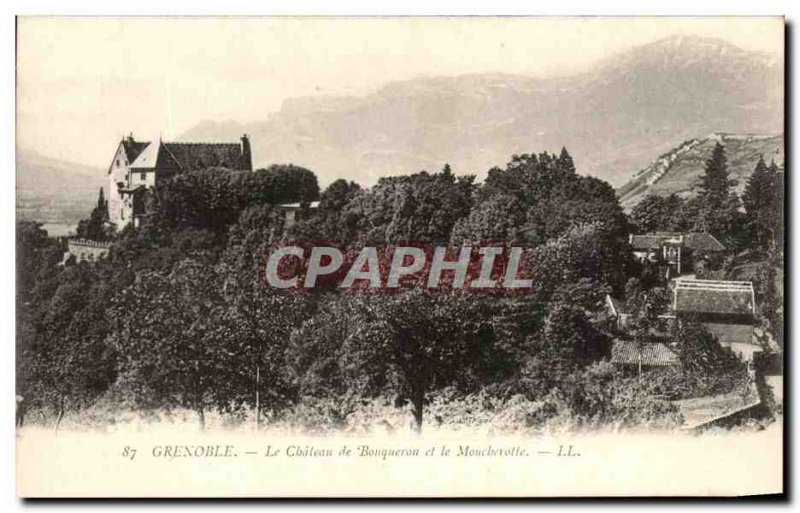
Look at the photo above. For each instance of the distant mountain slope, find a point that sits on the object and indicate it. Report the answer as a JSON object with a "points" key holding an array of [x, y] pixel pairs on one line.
{"points": [[50, 190], [679, 170], [613, 118]]}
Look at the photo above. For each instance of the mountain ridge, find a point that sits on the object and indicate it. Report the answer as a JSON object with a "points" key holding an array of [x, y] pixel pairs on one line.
{"points": [[612, 118], [679, 170], [53, 190]]}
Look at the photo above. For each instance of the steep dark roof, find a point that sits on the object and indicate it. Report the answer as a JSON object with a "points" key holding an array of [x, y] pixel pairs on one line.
{"points": [[709, 296], [148, 158], [625, 352], [190, 156], [133, 148]]}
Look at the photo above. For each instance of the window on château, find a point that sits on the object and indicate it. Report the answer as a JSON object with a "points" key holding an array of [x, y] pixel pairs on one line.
{"points": [[143, 176]]}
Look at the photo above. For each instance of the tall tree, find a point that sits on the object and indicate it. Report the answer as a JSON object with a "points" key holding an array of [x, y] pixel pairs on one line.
{"points": [[330, 220], [422, 207], [759, 202], [102, 204], [778, 205], [715, 184], [407, 345], [656, 213], [537, 198], [179, 343], [571, 338], [96, 226], [63, 359], [716, 205]]}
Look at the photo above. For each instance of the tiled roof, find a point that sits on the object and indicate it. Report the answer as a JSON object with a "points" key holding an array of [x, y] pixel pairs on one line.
{"points": [[646, 242], [624, 352], [86, 242], [702, 242], [694, 241], [710, 296], [202, 155], [190, 156], [729, 333]]}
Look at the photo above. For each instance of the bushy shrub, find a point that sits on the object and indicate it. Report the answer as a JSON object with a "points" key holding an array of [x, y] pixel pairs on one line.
{"points": [[707, 368], [483, 410], [314, 415], [602, 397]]}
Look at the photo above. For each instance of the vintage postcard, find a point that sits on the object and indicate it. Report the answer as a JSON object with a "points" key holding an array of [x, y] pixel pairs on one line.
{"points": [[399, 256]]}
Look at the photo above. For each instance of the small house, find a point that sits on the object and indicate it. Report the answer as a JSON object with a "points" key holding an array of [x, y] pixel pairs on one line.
{"points": [[725, 308]]}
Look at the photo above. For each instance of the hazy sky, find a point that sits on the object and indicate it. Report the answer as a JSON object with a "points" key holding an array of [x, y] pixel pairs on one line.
{"points": [[84, 82]]}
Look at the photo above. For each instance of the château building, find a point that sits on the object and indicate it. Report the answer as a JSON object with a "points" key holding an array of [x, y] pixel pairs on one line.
{"points": [[139, 165]]}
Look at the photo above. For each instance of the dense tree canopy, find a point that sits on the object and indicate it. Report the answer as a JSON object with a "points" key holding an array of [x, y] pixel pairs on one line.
{"points": [[538, 198], [763, 203], [213, 198], [716, 207], [178, 316], [422, 207], [657, 213]]}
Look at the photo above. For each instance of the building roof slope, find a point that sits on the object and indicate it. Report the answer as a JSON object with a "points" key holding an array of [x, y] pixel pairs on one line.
{"points": [[133, 148], [626, 352], [694, 240], [148, 158], [710, 296], [191, 156], [641, 242], [728, 333], [702, 242]]}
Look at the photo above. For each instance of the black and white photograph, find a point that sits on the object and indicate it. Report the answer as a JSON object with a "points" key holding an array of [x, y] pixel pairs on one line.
{"points": [[293, 256]]}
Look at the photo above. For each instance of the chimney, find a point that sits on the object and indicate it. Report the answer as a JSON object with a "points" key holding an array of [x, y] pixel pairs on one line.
{"points": [[247, 162]]}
